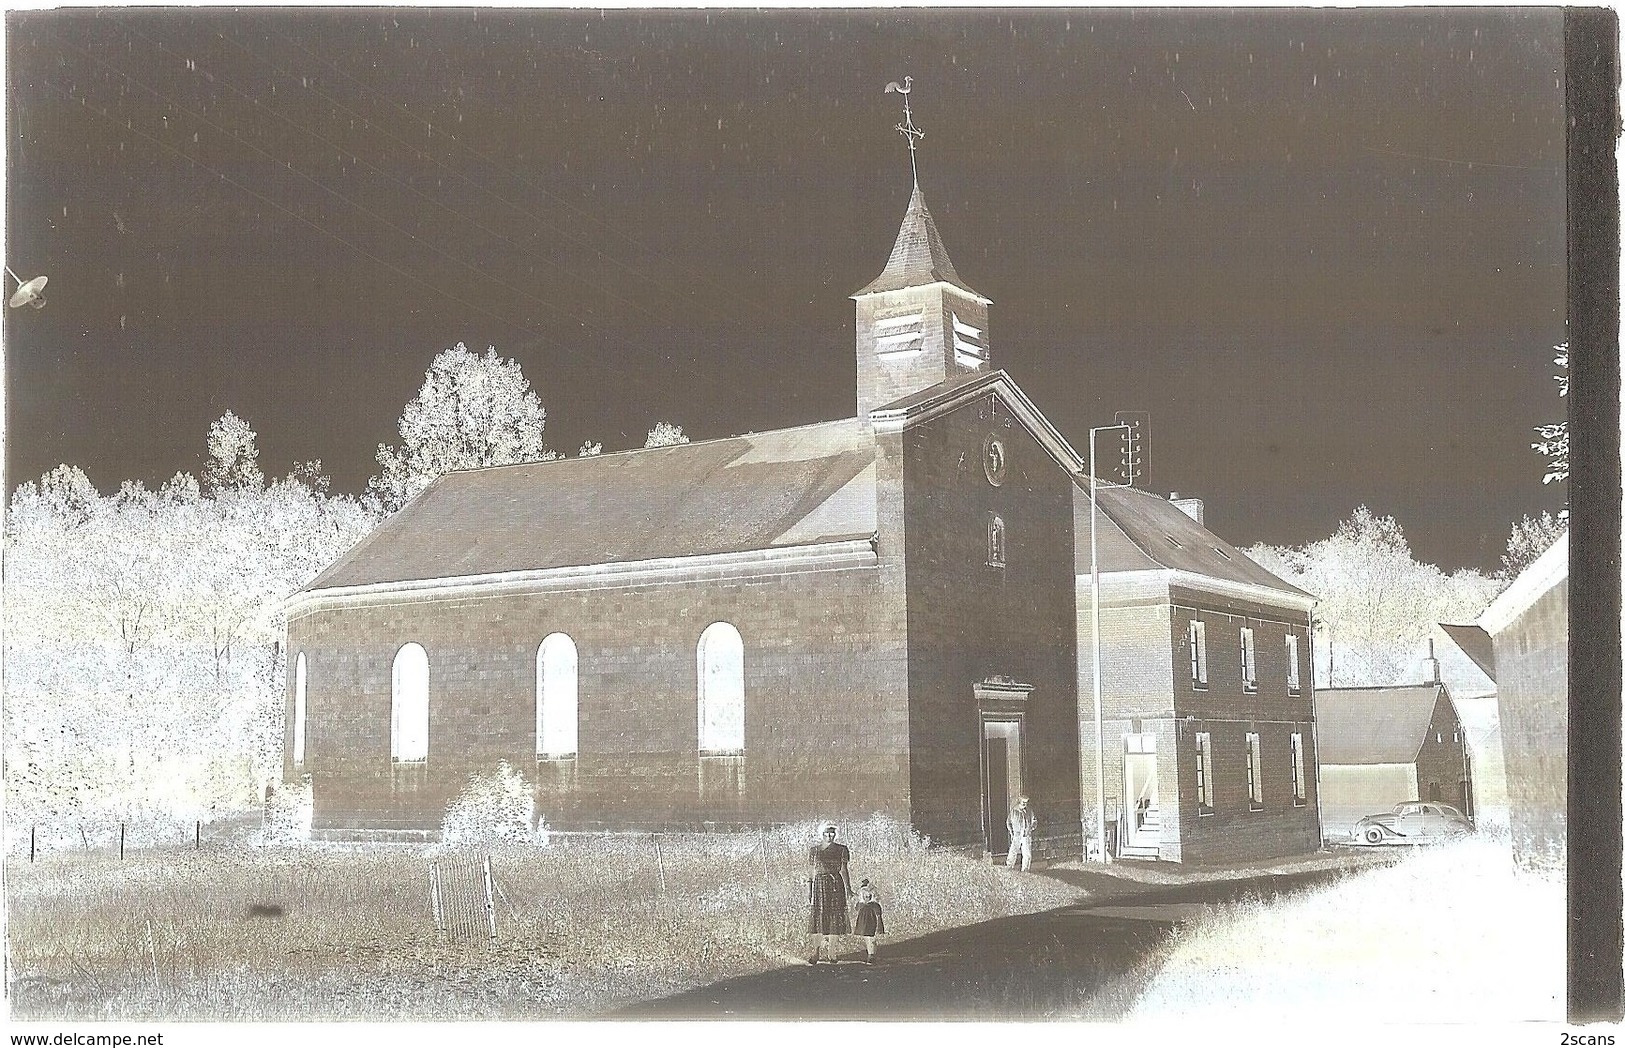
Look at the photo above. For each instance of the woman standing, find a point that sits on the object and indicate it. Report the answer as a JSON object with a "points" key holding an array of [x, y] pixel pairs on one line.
{"points": [[831, 887]]}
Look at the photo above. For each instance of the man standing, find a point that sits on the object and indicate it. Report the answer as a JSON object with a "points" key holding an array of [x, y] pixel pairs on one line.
{"points": [[1022, 822]]}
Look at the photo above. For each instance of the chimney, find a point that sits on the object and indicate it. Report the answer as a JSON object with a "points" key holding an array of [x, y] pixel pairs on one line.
{"points": [[1192, 508], [1430, 666]]}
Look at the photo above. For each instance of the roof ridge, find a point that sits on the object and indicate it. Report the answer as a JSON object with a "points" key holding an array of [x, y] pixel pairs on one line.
{"points": [[663, 447]]}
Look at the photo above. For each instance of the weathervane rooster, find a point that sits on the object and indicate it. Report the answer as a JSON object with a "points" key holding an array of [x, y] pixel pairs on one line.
{"points": [[910, 133]]}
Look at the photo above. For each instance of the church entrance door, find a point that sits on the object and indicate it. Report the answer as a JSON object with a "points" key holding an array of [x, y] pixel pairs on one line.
{"points": [[1001, 780]]}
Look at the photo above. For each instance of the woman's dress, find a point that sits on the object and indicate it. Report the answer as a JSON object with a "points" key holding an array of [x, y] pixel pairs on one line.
{"points": [[828, 902]]}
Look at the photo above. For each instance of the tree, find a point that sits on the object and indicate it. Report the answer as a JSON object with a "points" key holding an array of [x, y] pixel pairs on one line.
{"points": [[1530, 537], [144, 675], [1377, 604], [665, 435], [1554, 436], [590, 448], [472, 411], [233, 456], [67, 492]]}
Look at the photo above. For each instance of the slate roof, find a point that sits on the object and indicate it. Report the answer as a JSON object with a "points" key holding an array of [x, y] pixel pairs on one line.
{"points": [[1134, 534], [918, 256], [1475, 643], [1374, 725], [782, 488]]}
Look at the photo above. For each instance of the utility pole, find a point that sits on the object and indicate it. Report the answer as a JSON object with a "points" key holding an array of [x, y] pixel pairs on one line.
{"points": [[1094, 614]]}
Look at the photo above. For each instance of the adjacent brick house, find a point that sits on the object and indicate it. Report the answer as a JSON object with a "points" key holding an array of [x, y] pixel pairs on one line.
{"points": [[1382, 746], [1207, 694], [872, 614]]}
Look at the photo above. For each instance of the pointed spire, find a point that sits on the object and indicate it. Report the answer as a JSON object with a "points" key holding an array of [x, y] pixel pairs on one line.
{"points": [[918, 257]]}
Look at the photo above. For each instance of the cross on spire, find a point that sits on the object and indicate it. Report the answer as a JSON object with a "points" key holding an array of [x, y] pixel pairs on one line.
{"points": [[910, 133]]}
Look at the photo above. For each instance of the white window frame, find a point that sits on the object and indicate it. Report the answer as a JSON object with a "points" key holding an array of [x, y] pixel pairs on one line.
{"points": [[720, 681], [1197, 637], [1204, 773], [300, 711], [1255, 772], [1294, 678], [1300, 790], [409, 705], [1249, 660], [557, 694]]}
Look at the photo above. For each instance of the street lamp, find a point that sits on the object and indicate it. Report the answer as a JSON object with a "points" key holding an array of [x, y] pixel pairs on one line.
{"points": [[1094, 614]]}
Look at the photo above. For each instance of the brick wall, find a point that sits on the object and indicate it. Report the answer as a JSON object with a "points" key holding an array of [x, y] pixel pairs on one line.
{"points": [[969, 621], [1147, 688], [1532, 681], [1442, 759], [882, 381], [825, 720]]}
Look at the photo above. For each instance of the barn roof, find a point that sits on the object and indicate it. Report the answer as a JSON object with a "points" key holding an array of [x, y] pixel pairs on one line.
{"points": [[787, 487], [1475, 643], [1147, 532], [1374, 725]]}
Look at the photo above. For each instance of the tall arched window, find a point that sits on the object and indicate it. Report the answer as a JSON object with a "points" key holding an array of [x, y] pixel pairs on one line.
{"points": [[299, 710], [556, 697], [721, 659], [409, 705]]}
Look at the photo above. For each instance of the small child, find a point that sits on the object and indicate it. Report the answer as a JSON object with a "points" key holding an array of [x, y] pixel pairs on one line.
{"points": [[868, 922]]}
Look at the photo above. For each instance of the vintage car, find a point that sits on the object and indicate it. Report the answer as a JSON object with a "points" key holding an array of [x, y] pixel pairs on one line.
{"points": [[1413, 822]]}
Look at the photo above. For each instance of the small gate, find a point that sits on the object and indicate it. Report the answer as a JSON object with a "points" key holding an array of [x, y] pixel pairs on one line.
{"points": [[460, 894]]}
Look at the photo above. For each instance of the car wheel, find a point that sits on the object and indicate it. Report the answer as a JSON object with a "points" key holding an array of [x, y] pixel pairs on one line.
{"points": [[1373, 835]]}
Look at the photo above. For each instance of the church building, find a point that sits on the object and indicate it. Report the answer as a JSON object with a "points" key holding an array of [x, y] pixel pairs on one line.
{"points": [[875, 614]]}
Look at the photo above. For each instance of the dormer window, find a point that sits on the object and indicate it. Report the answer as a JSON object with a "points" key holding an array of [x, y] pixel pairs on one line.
{"points": [[970, 344], [897, 338]]}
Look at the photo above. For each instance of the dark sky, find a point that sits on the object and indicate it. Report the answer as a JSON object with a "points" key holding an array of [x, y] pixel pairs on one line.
{"points": [[1324, 249]]}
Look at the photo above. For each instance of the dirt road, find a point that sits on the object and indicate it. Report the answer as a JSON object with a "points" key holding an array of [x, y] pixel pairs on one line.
{"points": [[1067, 963]]}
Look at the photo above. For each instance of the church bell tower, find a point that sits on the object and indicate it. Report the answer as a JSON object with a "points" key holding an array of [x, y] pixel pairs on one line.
{"points": [[918, 322]]}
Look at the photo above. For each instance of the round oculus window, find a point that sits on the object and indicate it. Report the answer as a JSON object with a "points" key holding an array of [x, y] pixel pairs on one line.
{"points": [[993, 460]]}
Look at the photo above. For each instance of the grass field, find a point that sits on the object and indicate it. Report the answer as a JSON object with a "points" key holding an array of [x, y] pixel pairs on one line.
{"points": [[330, 932]]}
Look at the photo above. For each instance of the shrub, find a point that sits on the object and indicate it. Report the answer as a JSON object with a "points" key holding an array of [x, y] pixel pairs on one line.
{"points": [[493, 808]]}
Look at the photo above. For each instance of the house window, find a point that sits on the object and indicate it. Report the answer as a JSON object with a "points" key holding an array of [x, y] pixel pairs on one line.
{"points": [[299, 710], [1204, 773], [409, 705], [1249, 663], [1293, 684], [1255, 773], [995, 540], [1300, 794], [556, 698], [721, 665], [1198, 644]]}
